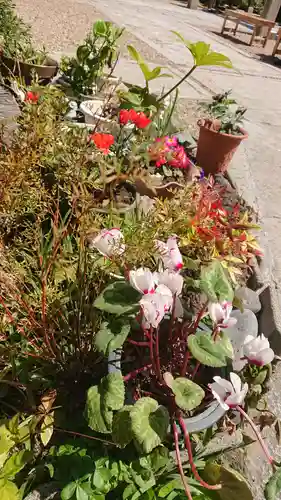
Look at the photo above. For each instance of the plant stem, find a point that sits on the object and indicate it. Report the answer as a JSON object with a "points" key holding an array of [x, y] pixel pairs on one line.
{"points": [[195, 369], [172, 319], [259, 437], [140, 344], [157, 355], [190, 457], [178, 457], [134, 373], [79, 434], [177, 84]]}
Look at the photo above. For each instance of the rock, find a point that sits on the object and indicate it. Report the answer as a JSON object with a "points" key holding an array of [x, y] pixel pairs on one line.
{"points": [[249, 298], [48, 491]]}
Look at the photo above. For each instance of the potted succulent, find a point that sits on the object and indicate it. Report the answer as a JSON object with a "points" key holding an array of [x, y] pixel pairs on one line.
{"points": [[84, 74], [18, 56], [220, 133]]}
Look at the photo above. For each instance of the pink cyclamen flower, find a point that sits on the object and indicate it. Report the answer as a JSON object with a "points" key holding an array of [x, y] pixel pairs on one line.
{"points": [[154, 306], [257, 350], [170, 254], [109, 242], [174, 281], [220, 314], [143, 280], [229, 394]]}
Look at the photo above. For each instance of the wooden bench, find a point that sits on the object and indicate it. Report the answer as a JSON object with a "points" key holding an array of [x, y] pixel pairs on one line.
{"points": [[276, 49], [239, 16]]}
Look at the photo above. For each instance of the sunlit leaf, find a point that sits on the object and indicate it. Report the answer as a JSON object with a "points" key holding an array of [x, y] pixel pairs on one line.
{"points": [[210, 352], [150, 423], [188, 395], [118, 298]]}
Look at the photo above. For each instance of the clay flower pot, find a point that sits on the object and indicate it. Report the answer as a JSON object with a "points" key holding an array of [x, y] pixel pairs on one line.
{"points": [[45, 72], [92, 110], [215, 149]]}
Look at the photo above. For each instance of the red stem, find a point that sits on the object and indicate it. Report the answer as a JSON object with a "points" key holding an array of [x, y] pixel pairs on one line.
{"points": [[270, 459], [151, 349], [195, 369], [57, 429], [157, 355], [178, 457], [141, 344], [134, 373], [190, 457], [172, 319]]}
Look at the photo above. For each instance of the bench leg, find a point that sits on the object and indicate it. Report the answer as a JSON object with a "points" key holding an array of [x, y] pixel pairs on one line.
{"points": [[253, 35], [236, 26], [276, 44], [224, 23], [267, 37]]}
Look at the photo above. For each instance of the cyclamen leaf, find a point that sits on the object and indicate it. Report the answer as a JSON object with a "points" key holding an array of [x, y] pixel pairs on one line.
{"points": [[150, 423], [121, 427], [97, 415], [273, 486], [111, 336], [118, 298], [214, 283], [113, 391], [188, 395], [208, 351], [9, 490]]}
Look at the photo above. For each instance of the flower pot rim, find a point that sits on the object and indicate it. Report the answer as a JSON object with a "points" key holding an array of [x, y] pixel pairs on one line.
{"points": [[55, 65], [210, 416], [244, 135]]}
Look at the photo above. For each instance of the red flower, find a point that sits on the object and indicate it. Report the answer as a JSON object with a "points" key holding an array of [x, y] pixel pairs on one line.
{"points": [[31, 97], [141, 120], [124, 116], [102, 141]]}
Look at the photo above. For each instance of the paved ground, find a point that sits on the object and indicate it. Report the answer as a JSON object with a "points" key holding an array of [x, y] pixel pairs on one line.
{"points": [[255, 84]]}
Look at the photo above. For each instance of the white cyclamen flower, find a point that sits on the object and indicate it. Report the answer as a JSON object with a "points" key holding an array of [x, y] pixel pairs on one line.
{"points": [[109, 242], [174, 281], [229, 394], [143, 280], [257, 350], [155, 305], [170, 254], [220, 314]]}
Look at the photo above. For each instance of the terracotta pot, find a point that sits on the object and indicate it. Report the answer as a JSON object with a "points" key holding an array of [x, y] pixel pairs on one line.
{"points": [[215, 150], [18, 68]]}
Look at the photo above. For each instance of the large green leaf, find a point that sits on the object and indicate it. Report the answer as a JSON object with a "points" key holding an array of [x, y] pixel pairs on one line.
{"points": [[118, 298], [97, 415], [203, 55], [208, 351], [6, 440], [214, 283], [121, 427], [99, 28], [188, 395], [111, 336], [9, 490], [15, 463], [234, 485], [273, 486], [68, 491], [113, 391], [102, 400], [150, 423], [47, 428]]}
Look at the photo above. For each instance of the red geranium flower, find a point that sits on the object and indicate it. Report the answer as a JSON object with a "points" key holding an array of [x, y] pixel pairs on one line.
{"points": [[102, 141], [141, 120], [31, 97], [124, 116]]}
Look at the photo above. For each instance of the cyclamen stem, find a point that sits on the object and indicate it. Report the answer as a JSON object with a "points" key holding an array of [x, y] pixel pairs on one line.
{"points": [[270, 459], [190, 457], [133, 374], [178, 457], [177, 84], [157, 355]]}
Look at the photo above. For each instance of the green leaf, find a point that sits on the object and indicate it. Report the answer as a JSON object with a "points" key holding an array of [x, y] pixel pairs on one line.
{"points": [[234, 485], [9, 490], [273, 486], [203, 55], [15, 463], [188, 395], [99, 28], [208, 351], [118, 298], [68, 491], [81, 494], [150, 423], [169, 487], [96, 414], [6, 441], [121, 427], [111, 336], [135, 54], [214, 283], [47, 428], [113, 391]]}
